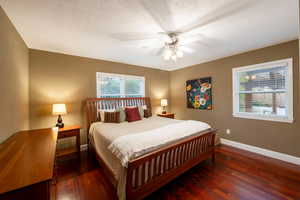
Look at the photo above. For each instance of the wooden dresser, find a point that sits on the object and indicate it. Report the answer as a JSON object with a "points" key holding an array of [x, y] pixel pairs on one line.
{"points": [[27, 165]]}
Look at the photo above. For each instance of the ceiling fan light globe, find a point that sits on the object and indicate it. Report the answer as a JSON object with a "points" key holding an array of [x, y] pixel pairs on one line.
{"points": [[167, 53], [179, 54], [167, 57], [173, 57]]}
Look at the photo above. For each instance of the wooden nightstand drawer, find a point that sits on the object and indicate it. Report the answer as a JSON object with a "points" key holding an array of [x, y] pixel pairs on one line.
{"points": [[68, 133]]}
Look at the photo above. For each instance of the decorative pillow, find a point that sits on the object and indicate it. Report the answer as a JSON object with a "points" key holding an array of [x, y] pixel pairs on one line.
{"points": [[102, 117], [147, 113], [111, 117], [122, 114], [132, 114], [141, 111]]}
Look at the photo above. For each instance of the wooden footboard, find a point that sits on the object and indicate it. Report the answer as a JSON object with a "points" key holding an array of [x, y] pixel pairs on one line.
{"points": [[151, 171]]}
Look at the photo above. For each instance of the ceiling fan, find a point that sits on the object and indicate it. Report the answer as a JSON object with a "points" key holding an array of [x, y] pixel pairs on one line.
{"points": [[177, 41], [173, 49]]}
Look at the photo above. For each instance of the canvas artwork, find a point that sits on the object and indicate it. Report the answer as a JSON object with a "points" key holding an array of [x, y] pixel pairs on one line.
{"points": [[199, 93]]}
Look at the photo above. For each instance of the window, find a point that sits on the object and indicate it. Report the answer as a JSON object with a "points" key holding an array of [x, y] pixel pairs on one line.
{"points": [[264, 91], [119, 85]]}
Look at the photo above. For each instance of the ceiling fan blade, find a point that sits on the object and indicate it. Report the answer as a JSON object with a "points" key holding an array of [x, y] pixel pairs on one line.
{"points": [[187, 39], [134, 36], [186, 49], [199, 39], [226, 10], [156, 51], [159, 51], [161, 13]]}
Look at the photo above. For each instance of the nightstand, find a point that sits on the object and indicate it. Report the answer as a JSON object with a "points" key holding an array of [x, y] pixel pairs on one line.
{"points": [[69, 131], [167, 115]]}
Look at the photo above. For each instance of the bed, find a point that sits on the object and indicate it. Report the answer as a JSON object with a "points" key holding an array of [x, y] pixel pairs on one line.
{"points": [[150, 170]]}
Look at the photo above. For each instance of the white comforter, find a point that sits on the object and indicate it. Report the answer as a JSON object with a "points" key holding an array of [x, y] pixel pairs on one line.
{"points": [[128, 147]]}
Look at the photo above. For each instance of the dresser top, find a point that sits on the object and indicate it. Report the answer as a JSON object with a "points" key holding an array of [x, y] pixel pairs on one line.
{"points": [[27, 158]]}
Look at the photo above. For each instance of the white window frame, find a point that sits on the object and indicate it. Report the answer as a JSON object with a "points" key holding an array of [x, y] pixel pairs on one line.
{"points": [[289, 81], [122, 89]]}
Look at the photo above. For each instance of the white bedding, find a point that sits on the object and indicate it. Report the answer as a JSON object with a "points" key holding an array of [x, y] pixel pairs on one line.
{"points": [[128, 147], [105, 134]]}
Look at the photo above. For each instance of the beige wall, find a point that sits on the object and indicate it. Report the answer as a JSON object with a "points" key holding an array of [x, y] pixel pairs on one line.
{"points": [[14, 83], [277, 136], [69, 79]]}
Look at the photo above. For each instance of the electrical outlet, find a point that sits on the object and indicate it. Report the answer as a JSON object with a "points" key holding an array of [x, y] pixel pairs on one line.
{"points": [[228, 131]]}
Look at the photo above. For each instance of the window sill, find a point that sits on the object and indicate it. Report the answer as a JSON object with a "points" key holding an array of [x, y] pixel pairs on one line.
{"points": [[260, 117]]}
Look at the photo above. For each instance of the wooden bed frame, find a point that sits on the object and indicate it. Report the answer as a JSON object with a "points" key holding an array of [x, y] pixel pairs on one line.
{"points": [[167, 163]]}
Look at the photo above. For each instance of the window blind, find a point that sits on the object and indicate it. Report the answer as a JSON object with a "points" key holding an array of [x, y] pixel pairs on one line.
{"points": [[263, 91], [119, 85]]}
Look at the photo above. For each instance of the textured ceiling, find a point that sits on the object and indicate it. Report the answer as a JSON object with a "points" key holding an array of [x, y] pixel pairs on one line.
{"points": [[127, 30]]}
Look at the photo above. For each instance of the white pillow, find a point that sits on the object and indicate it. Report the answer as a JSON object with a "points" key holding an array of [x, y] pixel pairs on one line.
{"points": [[122, 114]]}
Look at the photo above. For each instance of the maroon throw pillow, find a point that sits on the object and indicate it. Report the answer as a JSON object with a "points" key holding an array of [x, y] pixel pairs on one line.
{"points": [[132, 114]]}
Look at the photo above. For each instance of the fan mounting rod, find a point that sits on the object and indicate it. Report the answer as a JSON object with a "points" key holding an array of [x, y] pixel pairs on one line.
{"points": [[173, 39]]}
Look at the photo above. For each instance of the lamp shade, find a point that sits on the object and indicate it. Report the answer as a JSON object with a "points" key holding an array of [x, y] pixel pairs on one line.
{"points": [[59, 109], [163, 102]]}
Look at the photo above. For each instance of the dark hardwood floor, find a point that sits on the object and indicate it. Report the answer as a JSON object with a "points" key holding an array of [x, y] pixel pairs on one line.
{"points": [[237, 174]]}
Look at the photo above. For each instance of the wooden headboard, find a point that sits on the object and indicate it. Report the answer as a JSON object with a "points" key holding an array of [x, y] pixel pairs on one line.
{"points": [[93, 105]]}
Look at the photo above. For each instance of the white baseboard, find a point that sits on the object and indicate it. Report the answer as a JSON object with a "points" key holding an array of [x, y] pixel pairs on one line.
{"points": [[265, 152], [83, 147]]}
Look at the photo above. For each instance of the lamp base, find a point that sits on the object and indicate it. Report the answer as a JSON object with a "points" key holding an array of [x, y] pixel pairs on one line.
{"points": [[164, 112], [60, 125]]}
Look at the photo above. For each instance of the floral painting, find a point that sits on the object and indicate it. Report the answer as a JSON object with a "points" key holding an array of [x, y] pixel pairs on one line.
{"points": [[199, 93]]}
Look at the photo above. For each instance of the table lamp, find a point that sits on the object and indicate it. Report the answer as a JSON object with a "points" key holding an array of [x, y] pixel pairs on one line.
{"points": [[59, 109], [164, 103]]}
